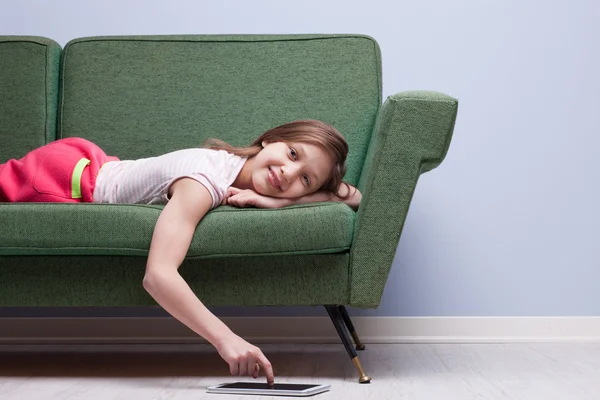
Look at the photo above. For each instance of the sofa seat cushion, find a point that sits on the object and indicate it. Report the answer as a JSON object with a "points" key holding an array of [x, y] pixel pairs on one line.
{"points": [[123, 229]]}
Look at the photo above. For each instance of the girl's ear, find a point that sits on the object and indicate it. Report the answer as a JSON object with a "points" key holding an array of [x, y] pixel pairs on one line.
{"points": [[264, 143]]}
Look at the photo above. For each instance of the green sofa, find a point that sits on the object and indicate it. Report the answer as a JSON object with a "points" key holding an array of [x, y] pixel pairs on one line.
{"points": [[141, 96]]}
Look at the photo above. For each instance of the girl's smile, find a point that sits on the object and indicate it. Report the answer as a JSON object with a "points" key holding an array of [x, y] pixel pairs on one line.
{"points": [[274, 180]]}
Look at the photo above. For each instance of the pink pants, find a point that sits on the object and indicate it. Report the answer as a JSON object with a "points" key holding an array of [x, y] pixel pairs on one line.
{"points": [[62, 171]]}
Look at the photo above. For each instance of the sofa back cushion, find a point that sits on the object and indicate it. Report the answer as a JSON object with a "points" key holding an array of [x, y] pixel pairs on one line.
{"points": [[143, 96], [28, 93]]}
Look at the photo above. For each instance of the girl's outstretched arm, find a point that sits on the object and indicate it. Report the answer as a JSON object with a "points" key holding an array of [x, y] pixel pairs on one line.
{"points": [[175, 227], [248, 197]]}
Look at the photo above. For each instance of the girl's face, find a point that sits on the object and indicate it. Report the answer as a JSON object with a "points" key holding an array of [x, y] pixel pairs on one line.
{"points": [[290, 170]]}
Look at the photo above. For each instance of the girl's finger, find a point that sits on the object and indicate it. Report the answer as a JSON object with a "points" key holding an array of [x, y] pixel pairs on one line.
{"points": [[234, 201], [250, 366], [243, 368], [232, 191], [266, 364], [234, 368], [256, 371]]}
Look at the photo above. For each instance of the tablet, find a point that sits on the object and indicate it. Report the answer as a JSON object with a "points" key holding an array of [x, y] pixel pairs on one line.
{"points": [[279, 389]]}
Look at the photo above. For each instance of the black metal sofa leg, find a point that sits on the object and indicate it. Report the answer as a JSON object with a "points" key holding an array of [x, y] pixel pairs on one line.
{"points": [[350, 325], [338, 321]]}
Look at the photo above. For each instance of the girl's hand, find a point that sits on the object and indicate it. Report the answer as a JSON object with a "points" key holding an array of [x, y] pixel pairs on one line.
{"points": [[244, 359], [249, 198]]}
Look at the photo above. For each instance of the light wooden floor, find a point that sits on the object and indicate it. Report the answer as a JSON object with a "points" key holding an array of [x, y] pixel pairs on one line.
{"points": [[403, 371]]}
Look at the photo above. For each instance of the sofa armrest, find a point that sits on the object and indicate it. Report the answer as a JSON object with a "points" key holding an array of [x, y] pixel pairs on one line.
{"points": [[412, 136]]}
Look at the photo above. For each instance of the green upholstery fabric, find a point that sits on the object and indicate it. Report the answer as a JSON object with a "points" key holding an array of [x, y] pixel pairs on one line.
{"points": [[103, 229], [28, 93], [412, 136], [117, 281], [142, 96]]}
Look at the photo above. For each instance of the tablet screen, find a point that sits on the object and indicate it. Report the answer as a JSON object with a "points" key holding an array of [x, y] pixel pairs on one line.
{"points": [[265, 386]]}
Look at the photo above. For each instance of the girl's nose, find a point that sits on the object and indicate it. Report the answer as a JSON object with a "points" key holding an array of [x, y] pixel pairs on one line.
{"points": [[290, 171]]}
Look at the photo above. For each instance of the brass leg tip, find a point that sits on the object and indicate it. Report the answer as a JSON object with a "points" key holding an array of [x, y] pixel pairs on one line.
{"points": [[360, 347], [364, 378]]}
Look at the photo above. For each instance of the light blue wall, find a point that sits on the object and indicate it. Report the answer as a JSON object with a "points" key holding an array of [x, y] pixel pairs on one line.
{"points": [[508, 225]]}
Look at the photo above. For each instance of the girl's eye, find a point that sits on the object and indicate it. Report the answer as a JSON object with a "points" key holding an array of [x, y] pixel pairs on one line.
{"points": [[293, 153], [306, 180]]}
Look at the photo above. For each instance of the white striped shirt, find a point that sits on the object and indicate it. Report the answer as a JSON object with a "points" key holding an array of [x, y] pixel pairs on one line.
{"points": [[147, 180]]}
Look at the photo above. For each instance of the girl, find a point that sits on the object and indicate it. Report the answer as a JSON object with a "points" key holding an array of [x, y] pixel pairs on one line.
{"points": [[302, 161]]}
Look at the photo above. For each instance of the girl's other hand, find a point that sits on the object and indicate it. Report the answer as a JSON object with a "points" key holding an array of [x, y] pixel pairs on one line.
{"points": [[249, 198]]}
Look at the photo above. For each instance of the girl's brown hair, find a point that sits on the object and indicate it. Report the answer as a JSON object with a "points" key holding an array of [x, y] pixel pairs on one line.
{"points": [[308, 131]]}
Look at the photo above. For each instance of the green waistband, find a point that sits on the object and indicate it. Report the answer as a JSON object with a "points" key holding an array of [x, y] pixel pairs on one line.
{"points": [[76, 179]]}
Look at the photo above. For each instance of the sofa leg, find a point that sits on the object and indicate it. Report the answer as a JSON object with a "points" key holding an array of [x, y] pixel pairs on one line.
{"points": [[338, 322], [350, 325]]}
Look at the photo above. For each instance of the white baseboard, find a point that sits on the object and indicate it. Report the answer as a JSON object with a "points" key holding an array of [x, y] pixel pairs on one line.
{"points": [[304, 330]]}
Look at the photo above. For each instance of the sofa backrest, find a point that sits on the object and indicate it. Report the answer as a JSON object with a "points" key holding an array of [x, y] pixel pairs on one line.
{"points": [[28, 93], [141, 96]]}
